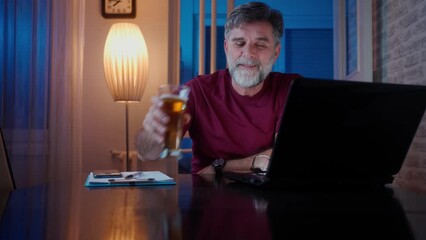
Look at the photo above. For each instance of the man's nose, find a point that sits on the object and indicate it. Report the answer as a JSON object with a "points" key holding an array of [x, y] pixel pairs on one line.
{"points": [[249, 51]]}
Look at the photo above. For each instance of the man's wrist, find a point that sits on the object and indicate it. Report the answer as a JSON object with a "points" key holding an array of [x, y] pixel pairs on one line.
{"points": [[218, 165]]}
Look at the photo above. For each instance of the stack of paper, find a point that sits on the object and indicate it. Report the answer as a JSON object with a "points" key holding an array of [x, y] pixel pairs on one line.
{"points": [[145, 178]]}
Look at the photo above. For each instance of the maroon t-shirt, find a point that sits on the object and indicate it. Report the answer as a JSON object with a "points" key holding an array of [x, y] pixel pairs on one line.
{"points": [[227, 125]]}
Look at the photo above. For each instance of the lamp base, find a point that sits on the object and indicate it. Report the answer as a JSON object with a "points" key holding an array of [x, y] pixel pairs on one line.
{"points": [[121, 156]]}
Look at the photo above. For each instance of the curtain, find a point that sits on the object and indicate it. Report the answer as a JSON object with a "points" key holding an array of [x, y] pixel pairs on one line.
{"points": [[65, 112], [40, 87], [41, 60]]}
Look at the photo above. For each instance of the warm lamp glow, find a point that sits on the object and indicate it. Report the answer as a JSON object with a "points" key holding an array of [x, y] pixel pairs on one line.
{"points": [[125, 62]]}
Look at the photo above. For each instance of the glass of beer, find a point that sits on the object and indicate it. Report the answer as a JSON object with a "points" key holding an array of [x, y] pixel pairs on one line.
{"points": [[174, 98]]}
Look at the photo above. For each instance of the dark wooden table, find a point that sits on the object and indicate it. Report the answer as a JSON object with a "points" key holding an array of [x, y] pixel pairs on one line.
{"points": [[202, 208]]}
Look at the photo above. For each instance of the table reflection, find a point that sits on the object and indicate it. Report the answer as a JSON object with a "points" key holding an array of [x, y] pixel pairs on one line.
{"points": [[72, 211], [342, 215], [222, 214], [133, 213], [200, 207], [239, 211]]}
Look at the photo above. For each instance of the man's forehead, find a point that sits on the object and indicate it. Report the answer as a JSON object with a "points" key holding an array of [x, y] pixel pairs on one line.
{"points": [[258, 29]]}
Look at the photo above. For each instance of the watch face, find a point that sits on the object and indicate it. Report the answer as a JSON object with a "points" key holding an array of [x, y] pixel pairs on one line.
{"points": [[218, 163], [118, 6]]}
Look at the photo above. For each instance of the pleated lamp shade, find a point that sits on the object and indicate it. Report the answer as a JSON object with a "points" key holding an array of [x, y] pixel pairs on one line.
{"points": [[126, 62]]}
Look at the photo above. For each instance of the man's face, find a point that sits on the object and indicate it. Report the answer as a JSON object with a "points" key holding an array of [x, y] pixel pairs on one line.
{"points": [[251, 53]]}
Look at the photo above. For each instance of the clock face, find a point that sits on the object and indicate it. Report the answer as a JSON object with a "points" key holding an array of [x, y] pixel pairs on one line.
{"points": [[118, 8]]}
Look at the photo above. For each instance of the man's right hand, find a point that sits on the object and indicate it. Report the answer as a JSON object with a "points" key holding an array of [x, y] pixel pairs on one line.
{"points": [[154, 124], [150, 139]]}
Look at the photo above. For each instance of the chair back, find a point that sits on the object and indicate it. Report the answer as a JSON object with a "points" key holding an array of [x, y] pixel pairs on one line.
{"points": [[7, 182]]}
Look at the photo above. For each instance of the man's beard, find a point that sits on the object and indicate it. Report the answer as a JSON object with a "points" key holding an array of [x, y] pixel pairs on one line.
{"points": [[248, 78]]}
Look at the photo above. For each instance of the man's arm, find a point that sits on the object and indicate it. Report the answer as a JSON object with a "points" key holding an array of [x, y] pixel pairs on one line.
{"points": [[241, 165]]}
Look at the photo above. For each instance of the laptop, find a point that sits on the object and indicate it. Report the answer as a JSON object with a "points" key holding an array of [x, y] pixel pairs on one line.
{"points": [[338, 133]]}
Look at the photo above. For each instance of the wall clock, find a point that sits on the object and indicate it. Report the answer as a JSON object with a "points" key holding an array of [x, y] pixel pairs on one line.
{"points": [[118, 8]]}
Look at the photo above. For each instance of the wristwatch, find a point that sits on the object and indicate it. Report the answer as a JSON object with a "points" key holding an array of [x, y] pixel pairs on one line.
{"points": [[218, 165]]}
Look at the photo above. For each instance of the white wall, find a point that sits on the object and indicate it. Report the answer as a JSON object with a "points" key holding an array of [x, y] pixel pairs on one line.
{"points": [[103, 119]]}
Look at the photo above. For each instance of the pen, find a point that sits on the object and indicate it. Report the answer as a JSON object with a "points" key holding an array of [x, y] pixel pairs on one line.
{"points": [[148, 180], [134, 175]]}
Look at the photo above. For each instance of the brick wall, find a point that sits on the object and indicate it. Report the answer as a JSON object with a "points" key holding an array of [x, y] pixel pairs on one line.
{"points": [[399, 56]]}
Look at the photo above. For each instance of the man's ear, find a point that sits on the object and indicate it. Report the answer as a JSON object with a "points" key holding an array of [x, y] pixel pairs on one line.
{"points": [[277, 52]]}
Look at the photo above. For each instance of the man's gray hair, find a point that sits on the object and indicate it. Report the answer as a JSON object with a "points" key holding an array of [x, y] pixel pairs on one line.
{"points": [[255, 12]]}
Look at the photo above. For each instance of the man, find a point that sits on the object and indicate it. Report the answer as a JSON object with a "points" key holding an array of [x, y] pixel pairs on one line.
{"points": [[232, 114]]}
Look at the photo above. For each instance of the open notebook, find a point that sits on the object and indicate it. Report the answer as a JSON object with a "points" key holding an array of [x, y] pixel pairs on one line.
{"points": [[342, 133]]}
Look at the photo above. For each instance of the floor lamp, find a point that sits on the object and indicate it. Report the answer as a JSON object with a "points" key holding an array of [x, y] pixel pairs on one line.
{"points": [[126, 68]]}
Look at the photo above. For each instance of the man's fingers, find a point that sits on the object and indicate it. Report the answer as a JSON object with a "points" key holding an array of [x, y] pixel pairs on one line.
{"points": [[155, 121]]}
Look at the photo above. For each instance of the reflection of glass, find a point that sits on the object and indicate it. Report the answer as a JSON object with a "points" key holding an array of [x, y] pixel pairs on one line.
{"points": [[174, 98], [351, 37]]}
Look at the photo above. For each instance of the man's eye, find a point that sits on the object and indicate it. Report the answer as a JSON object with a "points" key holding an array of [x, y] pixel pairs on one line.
{"points": [[261, 46], [239, 44]]}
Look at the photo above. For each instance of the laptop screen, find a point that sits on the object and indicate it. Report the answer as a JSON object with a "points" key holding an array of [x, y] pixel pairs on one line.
{"points": [[336, 129]]}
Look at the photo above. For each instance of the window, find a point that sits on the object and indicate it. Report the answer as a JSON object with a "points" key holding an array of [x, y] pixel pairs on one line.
{"points": [[309, 52]]}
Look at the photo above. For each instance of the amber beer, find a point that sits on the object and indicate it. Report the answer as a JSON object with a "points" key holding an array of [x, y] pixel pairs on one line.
{"points": [[174, 106]]}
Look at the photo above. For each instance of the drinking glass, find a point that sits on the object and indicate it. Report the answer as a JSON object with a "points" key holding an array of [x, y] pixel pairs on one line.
{"points": [[174, 97]]}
